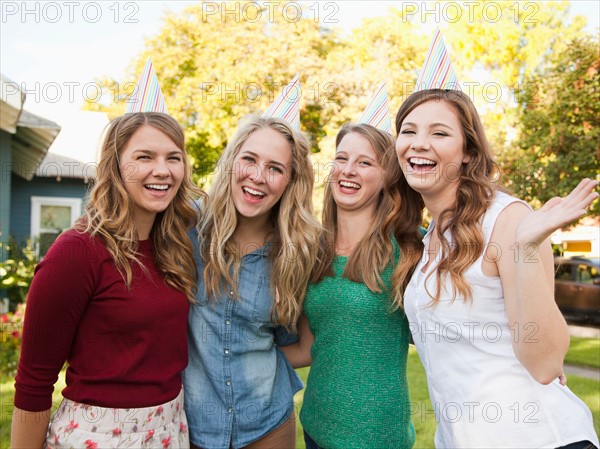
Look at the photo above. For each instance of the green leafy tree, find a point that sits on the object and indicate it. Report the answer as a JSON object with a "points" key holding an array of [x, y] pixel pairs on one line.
{"points": [[111, 99], [559, 126], [219, 62], [498, 46], [218, 65]]}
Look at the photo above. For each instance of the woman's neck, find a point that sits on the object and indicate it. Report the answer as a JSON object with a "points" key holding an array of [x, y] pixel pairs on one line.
{"points": [[439, 203], [352, 226], [252, 232], [143, 227]]}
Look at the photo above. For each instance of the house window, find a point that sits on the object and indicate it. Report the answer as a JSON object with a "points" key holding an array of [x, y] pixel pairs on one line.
{"points": [[49, 217]]}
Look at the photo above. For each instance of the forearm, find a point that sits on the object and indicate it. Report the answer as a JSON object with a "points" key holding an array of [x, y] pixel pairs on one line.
{"points": [[298, 354], [541, 336], [528, 281], [29, 429]]}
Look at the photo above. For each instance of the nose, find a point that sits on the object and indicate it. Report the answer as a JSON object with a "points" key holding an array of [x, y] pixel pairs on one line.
{"points": [[420, 142], [256, 173], [349, 168], [160, 168]]}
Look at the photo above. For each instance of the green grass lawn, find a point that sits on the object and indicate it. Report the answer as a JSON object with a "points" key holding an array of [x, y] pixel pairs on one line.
{"points": [[584, 351], [422, 418], [581, 349], [588, 390]]}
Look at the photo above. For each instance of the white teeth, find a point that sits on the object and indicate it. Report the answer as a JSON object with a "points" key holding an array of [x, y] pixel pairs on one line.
{"points": [[420, 161], [352, 185], [157, 186], [253, 192]]}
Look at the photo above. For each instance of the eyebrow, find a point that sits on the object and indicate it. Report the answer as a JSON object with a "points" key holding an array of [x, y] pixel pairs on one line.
{"points": [[433, 125], [257, 157], [361, 155], [145, 151]]}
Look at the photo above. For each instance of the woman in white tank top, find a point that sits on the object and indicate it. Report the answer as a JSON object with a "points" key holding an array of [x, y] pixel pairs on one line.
{"points": [[478, 290]]}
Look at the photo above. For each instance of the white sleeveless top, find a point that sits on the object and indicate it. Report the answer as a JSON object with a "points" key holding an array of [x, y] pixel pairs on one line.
{"points": [[481, 394]]}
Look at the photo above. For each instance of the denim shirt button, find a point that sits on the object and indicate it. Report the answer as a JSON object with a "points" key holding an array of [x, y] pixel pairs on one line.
{"points": [[229, 410], [228, 382], [226, 351], [228, 322]]}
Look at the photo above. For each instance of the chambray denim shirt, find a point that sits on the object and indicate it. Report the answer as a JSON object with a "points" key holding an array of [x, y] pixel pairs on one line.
{"points": [[238, 385]]}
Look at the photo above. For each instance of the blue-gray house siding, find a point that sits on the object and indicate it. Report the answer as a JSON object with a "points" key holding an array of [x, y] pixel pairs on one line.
{"points": [[23, 190], [5, 183]]}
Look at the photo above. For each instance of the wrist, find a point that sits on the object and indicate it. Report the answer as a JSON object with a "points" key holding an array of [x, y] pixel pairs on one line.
{"points": [[524, 251]]}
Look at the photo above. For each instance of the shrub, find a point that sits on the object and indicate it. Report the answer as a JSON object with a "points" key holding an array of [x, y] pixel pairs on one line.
{"points": [[16, 273], [10, 344]]}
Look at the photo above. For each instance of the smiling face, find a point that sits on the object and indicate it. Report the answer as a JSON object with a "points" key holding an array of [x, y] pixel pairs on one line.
{"points": [[261, 173], [430, 149], [357, 176], [152, 169]]}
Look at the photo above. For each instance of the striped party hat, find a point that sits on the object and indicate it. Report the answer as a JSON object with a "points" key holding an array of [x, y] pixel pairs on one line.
{"points": [[147, 96], [437, 72], [377, 112], [287, 105]]}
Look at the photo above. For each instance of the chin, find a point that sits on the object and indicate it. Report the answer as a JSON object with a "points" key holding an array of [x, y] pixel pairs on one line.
{"points": [[417, 186], [247, 213], [158, 210]]}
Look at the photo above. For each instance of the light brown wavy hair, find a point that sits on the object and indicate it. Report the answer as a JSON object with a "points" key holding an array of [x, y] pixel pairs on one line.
{"points": [[109, 210], [476, 186], [293, 242], [375, 251]]}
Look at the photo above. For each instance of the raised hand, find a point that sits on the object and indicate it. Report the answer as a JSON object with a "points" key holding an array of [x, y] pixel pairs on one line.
{"points": [[556, 213]]}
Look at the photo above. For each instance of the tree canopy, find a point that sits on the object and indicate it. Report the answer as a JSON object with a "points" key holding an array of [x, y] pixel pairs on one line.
{"points": [[216, 68], [559, 124]]}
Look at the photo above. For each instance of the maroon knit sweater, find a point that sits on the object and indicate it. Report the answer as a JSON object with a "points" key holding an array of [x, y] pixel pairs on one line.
{"points": [[125, 348]]}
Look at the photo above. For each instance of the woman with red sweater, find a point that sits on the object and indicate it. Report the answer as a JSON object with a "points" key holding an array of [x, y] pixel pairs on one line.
{"points": [[111, 299]]}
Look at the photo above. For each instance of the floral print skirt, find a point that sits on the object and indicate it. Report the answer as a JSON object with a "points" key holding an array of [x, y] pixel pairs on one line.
{"points": [[76, 425]]}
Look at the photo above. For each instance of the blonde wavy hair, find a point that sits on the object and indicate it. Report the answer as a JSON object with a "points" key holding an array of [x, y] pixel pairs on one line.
{"points": [[293, 242], [109, 210], [476, 186], [375, 251]]}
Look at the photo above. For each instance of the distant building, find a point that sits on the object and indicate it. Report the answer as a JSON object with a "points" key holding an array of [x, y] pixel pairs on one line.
{"points": [[44, 181], [580, 240], [50, 202], [24, 142]]}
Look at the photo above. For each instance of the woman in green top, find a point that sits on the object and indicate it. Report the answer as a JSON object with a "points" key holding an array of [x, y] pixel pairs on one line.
{"points": [[357, 393]]}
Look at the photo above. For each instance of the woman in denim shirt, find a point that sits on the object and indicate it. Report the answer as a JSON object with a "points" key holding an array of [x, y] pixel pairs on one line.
{"points": [[255, 247]]}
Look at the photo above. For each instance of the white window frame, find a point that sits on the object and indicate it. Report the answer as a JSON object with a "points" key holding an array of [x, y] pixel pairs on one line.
{"points": [[36, 212]]}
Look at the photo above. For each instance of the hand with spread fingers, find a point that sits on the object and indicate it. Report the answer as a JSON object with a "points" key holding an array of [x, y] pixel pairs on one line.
{"points": [[556, 213]]}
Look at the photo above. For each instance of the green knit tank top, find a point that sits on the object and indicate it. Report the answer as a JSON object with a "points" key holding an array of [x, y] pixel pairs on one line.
{"points": [[357, 394]]}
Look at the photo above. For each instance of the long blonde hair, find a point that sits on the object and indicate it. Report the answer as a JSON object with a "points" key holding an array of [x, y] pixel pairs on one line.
{"points": [[375, 251], [476, 186], [294, 238], [109, 210]]}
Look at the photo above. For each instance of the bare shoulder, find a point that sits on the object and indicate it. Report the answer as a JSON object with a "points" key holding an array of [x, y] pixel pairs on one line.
{"points": [[509, 219]]}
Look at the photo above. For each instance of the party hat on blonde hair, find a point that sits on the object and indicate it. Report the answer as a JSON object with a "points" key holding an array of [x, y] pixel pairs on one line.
{"points": [[287, 105], [437, 71], [377, 112], [147, 96]]}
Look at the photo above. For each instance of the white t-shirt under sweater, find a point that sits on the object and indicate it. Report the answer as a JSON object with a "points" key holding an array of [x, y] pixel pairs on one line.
{"points": [[481, 394]]}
